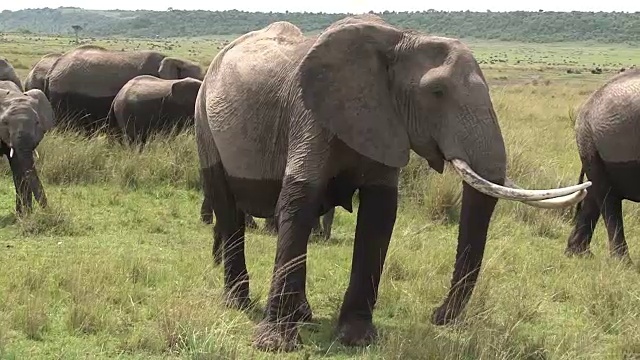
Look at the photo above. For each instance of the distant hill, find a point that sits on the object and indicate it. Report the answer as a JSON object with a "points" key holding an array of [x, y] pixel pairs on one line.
{"points": [[516, 26]]}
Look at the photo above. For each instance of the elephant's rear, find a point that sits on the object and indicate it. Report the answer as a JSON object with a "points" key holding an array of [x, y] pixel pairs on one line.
{"points": [[608, 131]]}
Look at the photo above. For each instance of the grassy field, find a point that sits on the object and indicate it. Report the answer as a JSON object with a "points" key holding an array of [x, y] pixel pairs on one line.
{"points": [[120, 265]]}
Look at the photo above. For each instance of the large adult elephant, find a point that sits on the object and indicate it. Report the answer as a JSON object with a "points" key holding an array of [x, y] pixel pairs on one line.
{"points": [[147, 105], [35, 77], [607, 133], [83, 82], [24, 119], [8, 73], [300, 123]]}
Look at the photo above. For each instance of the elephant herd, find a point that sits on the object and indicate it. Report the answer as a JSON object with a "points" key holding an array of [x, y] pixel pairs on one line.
{"points": [[289, 126]]}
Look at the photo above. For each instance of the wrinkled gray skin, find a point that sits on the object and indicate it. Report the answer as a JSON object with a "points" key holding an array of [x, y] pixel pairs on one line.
{"points": [[608, 138], [147, 105], [24, 119], [83, 82], [299, 124], [37, 74], [8, 73]]}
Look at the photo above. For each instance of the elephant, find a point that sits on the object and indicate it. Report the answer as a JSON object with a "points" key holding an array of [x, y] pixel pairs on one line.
{"points": [[147, 104], [8, 73], [609, 149], [83, 82], [25, 117], [37, 74], [300, 123]]}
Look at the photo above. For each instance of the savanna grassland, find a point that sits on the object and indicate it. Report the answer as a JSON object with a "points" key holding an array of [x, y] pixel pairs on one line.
{"points": [[120, 265]]}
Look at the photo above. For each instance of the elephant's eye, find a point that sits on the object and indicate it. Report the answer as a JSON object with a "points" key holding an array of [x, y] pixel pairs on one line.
{"points": [[438, 93]]}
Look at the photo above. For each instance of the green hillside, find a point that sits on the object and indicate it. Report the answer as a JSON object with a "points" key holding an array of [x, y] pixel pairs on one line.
{"points": [[513, 26]]}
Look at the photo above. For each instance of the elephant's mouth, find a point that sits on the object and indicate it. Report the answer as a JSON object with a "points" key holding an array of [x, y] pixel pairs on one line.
{"points": [[548, 199]]}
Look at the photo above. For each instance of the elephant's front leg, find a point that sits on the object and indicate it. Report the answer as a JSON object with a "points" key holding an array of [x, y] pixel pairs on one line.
{"points": [[376, 218], [287, 305], [475, 216]]}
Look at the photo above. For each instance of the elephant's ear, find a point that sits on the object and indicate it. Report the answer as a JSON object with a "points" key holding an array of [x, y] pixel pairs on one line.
{"points": [[43, 108], [169, 69], [345, 85], [185, 91]]}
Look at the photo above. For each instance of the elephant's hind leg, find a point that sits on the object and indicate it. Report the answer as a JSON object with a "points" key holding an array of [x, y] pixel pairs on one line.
{"points": [[586, 220], [611, 211], [229, 231]]}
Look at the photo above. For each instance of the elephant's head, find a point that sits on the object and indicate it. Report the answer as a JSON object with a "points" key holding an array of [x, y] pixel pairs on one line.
{"points": [[384, 91], [24, 119], [8, 73], [185, 91], [174, 68]]}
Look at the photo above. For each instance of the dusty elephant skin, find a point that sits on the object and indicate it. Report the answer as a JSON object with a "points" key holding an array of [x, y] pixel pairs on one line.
{"points": [[149, 105], [35, 77], [609, 147], [82, 83], [330, 115], [24, 119], [8, 73]]}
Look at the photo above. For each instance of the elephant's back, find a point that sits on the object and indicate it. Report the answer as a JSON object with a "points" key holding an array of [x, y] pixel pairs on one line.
{"points": [[613, 116], [247, 91], [35, 77], [145, 88], [99, 73]]}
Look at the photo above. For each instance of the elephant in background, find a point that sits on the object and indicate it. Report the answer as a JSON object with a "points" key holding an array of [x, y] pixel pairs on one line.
{"points": [[83, 82], [8, 73], [607, 128], [146, 105], [37, 74], [25, 117], [300, 123]]}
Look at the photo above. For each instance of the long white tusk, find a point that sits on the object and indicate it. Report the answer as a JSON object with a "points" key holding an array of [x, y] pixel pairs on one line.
{"points": [[486, 187], [35, 152], [555, 203], [10, 153]]}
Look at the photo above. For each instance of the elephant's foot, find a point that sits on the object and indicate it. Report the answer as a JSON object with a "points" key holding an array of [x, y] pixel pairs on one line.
{"points": [[623, 257], [303, 312], [238, 296], [357, 332], [445, 314], [276, 337], [582, 252]]}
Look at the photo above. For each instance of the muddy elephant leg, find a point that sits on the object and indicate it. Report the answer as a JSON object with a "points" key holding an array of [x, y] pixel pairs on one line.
{"points": [[586, 219], [611, 211], [374, 226], [270, 225], [250, 222], [206, 209], [327, 223], [475, 215], [317, 228], [229, 231], [287, 304]]}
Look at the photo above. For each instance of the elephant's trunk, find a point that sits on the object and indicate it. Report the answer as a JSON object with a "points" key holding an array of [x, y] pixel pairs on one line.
{"points": [[475, 216], [26, 180]]}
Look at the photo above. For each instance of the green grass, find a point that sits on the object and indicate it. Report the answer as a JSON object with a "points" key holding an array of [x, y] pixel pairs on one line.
{"points": [[119, 265]]}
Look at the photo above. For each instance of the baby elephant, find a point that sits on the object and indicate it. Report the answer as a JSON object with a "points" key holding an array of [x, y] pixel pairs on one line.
{"points": [[24, 119], [608, 137], [146, 105]]}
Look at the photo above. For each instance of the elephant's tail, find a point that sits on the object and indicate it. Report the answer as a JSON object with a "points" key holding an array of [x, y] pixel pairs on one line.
{"points": [[579, 204]]}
